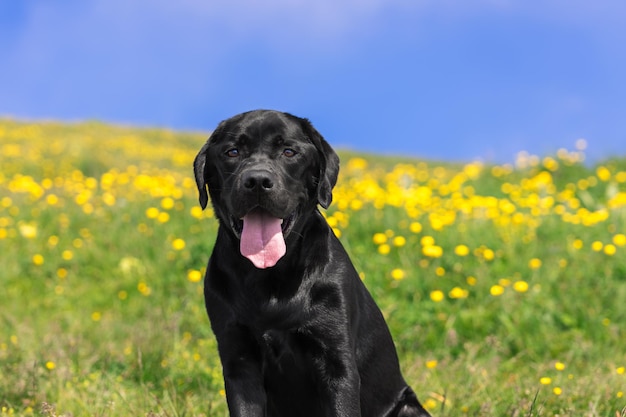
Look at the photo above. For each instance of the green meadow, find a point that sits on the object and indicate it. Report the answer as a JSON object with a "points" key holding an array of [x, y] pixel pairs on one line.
{"points": [[504, 285]]}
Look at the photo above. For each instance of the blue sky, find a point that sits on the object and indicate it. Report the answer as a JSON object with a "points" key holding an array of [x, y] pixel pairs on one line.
{"points": [[444, 79]]}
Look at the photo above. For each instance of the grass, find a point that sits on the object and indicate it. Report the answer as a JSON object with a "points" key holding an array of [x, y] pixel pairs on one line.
{"points": [[504, 285]]}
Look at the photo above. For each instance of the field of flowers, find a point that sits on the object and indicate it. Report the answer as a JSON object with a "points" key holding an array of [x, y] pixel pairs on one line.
{"points": [[504, 285]]}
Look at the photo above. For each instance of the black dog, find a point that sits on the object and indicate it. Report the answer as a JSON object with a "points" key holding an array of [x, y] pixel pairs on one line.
{"points": [[298, 334]]}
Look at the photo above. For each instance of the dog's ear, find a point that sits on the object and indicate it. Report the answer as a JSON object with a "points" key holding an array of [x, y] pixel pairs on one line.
{"points": [[198, 169], [329, 165]]}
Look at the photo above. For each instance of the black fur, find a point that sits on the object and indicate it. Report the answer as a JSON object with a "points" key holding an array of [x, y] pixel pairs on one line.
{"points": [[304, 337]]}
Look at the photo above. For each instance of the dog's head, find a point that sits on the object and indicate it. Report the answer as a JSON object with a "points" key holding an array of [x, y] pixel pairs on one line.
{"points": [[265, 172]]}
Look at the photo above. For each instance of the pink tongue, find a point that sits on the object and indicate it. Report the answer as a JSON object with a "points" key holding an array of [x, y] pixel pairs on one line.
{"points": [[262, 239]]}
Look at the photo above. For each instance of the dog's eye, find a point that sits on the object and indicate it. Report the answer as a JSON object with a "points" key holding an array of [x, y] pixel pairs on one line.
{"points": [[289, 153], [232, 153]]}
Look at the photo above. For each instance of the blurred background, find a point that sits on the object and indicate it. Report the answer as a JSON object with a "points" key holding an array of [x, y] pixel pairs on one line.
{"points": [[441, 79]]}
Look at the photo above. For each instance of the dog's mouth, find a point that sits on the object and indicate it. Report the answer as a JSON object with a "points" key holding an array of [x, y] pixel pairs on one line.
{"points": [[262, 236]]}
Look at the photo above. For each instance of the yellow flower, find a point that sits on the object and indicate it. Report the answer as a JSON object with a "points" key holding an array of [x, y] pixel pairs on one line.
{"points": [[28, 230], [398, 274], [557, 391], [194, 275], [577, 244], [621, 370], [546, 380], [437, 296], [520, 286], [167, 203], [196, 211], [534, 263], [432, 364], [603, 173], [610, 249], [619, 239], [488, 254], [457, 293], [559, 366], [597, 246], [152, 213], [415, 227], [399, 241], [432, 251], [427, 241], [461, 250], [38, 259], [143, 288], [379, 238], [178, 244], [384, 249], [96, 316], [496, 290], [50, 365]]}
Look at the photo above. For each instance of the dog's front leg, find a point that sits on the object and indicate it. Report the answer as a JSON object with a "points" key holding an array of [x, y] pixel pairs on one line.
{"points": [[242, 374], [344, 394], [338, 375]]}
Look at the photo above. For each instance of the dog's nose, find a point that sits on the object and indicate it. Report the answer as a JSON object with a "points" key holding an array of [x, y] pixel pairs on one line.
{"points": [[258, 180]]}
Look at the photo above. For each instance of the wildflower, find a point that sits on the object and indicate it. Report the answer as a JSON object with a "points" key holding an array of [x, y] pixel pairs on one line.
{"points": [[432, 364], [143, 288], [461, 250], [430, 404], [427, 241], [415, 227], [619, 239], [496, 290], [457, 293], [379, 238], [597, 246], [432, 251], [534, 263], [28, 230], [520, 286], [196, 212], [398, 274], [437, 296], [557, 391], [50, 365], [194, 275], [399, 241], [167, 203], [152, 213], [559, 366], [610, 249], [488, 254], [577, 244], [96, 316], [38, 259], [621, 370], [440, 271], [384, 249], [67, 255], [545, 380], [603, 174], [178, 244]]}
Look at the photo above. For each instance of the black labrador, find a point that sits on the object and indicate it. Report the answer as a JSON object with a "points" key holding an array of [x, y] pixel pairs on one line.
{"points": [[298, 333]]}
